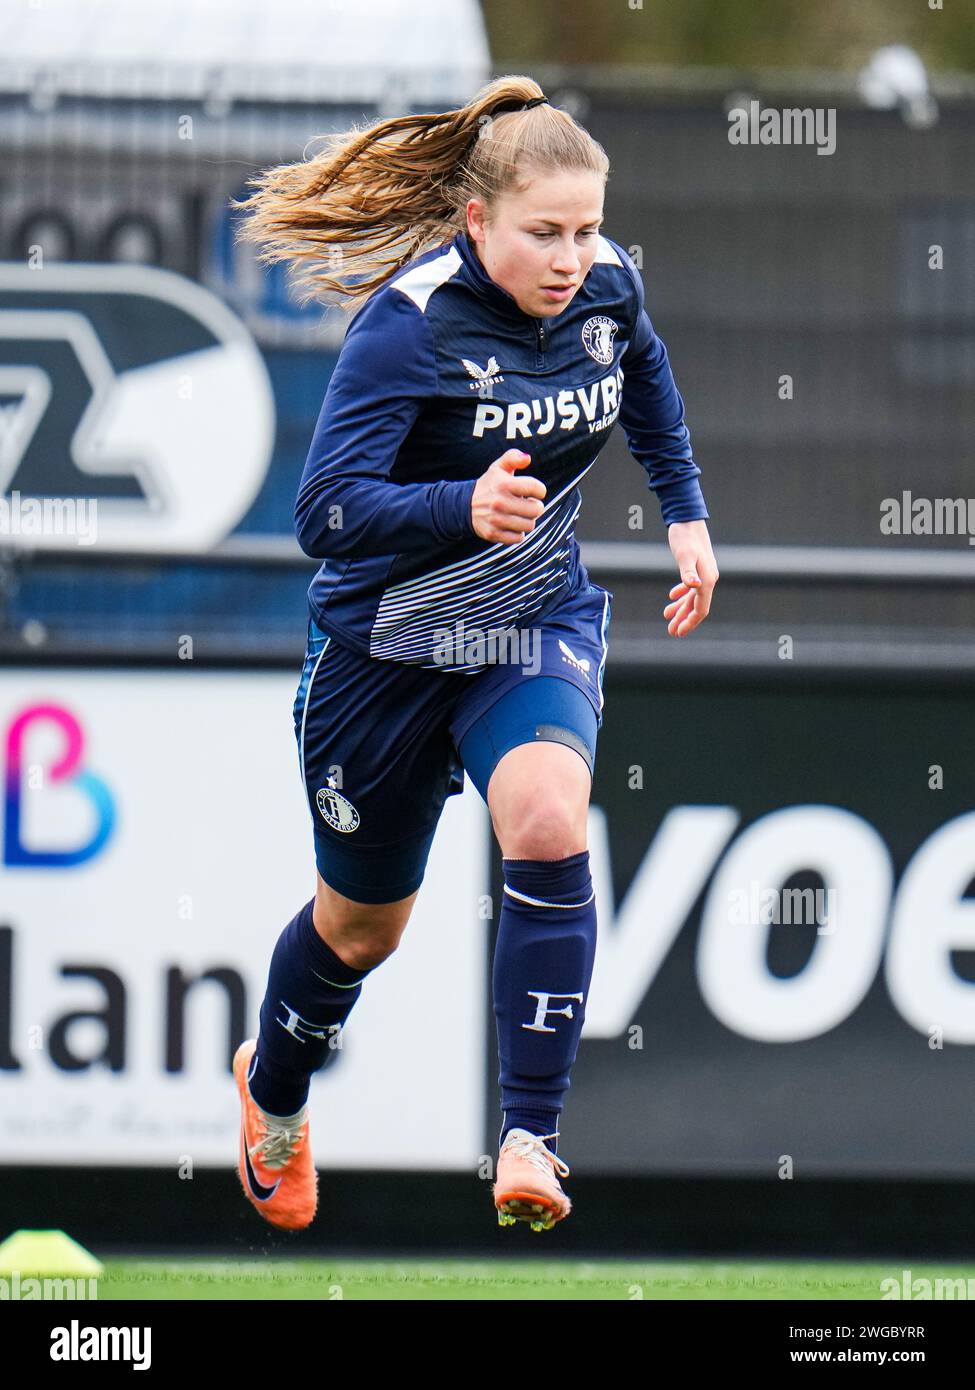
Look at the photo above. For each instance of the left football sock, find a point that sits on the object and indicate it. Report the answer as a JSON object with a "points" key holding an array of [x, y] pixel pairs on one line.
{"points": [[310, 993], [543, 963]]}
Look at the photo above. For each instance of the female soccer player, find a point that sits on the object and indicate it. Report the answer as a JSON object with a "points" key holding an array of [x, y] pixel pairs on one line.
{"points": [[453, 625]]}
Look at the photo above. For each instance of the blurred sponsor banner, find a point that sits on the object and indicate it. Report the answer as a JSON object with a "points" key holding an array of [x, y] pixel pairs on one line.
{"points": [[156, 842], [785, 979], [135, 392]]}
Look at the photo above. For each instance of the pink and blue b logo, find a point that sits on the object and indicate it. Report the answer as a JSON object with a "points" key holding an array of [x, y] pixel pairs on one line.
{"points": [[66, 768]]}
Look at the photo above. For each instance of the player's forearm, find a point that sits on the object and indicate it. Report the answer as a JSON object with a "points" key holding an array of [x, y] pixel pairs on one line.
{"points": [[681, 499], [652, 416], [345, 516], [665, 456]]}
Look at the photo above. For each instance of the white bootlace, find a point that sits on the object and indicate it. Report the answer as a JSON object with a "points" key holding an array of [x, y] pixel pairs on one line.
{"points": [[280, 1140], [532, 1147]]}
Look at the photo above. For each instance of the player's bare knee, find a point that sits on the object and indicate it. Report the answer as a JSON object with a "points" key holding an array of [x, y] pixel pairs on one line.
{"points": [[544, 830], [365, 955], [362, 935]]}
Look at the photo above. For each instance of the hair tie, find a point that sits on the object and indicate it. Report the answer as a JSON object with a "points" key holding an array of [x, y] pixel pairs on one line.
{"points": [[504, 109], [513, 104]]}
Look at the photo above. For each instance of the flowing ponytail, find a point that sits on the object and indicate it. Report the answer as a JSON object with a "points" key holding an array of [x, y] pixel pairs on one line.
{"points": [[376, 197]]}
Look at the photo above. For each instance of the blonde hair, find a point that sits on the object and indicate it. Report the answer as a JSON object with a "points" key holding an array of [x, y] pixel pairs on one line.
{"points": [[374, 198]]}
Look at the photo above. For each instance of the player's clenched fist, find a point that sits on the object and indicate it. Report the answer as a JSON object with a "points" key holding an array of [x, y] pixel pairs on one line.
{"points": [[504, 506]]}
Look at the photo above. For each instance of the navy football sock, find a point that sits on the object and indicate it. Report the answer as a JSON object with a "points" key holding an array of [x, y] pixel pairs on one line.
{"points": [[310, 994], [543, 964]]}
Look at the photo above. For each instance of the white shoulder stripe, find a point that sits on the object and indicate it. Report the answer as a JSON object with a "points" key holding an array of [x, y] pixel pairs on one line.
{"points": [[605, 253], [419, 283]]}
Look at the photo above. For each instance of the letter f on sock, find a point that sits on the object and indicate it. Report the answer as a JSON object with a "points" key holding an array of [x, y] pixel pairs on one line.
{"points": [[543, 1009]]}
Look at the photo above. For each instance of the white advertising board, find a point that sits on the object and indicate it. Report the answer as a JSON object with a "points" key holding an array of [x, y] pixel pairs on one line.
{"points": [[155, 830]]}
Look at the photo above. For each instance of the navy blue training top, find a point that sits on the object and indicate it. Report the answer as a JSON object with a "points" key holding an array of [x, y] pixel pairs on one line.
{"points": [[440, 373]]}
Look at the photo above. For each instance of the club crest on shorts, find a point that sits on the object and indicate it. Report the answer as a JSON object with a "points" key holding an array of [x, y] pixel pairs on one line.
{"points": [[597, 338], [337, 809]]}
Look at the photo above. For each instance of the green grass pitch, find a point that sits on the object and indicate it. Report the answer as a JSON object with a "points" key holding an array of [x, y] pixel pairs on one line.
{"points": [[528, 1278]]}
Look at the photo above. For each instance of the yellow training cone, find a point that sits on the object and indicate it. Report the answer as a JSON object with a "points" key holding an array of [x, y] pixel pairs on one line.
{"points": [[46, 1252]]}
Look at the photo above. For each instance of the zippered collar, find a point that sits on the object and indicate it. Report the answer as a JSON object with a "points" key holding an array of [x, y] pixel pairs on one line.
{"points": [[486, 287], [490, 291]]}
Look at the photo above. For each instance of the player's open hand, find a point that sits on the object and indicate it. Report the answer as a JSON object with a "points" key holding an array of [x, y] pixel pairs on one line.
{"points": [[691, 598], [504, 506]]}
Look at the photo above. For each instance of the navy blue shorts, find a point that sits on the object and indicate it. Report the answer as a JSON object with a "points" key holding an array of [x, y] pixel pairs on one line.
{"points": [[382, 744]]}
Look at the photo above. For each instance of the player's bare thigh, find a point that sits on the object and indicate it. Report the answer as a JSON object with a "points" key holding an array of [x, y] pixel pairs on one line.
{"points": [[361, 934], [538, 796]]}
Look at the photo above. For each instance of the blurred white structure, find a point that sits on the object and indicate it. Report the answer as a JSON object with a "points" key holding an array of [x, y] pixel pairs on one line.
{"points": [[896, 76], [361, 51], [126, 126]]}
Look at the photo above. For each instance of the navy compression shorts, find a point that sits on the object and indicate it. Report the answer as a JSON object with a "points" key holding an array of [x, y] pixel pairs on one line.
{"points": [[382, 744]]}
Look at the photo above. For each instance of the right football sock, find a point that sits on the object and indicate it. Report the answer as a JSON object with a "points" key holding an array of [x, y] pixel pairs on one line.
{"points": [[310, 993], [543, 964]]}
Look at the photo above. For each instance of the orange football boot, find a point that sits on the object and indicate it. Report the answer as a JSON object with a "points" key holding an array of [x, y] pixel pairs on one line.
{"points": [[527, 1188], [275, 1164]]}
